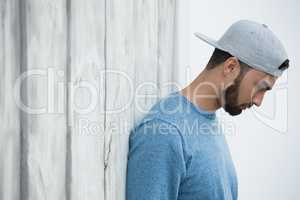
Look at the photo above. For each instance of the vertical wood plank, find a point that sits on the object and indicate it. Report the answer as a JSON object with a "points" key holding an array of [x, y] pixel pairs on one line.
{"points": [[140, 47], [166, 40], [119, 84], [146, 57], [44, 127], [87, 94], [9, 114]]}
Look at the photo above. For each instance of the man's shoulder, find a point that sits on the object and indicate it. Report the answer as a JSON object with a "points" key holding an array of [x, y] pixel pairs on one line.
{"points": [[167, 109], [157, 125]]}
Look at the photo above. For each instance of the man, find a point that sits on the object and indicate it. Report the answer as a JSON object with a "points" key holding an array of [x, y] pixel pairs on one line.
{"points": [[178, 150]]}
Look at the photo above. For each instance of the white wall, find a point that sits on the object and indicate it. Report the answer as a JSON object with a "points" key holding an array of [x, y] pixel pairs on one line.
{"points": [[265, 142]]}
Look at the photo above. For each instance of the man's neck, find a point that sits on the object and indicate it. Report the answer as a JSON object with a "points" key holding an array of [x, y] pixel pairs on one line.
{"points": [[203, 92]]}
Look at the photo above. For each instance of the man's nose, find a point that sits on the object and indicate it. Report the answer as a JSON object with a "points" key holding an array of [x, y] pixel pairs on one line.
{"points": [[258, 98]]}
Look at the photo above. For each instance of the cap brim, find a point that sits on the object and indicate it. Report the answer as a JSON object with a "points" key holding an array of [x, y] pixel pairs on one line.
{"points": [[208, 40]]}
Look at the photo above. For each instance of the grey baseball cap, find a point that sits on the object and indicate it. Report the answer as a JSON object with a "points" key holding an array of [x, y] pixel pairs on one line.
{"points": [[254, 44]]}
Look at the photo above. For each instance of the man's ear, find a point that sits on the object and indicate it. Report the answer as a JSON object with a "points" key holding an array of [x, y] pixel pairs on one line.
{"points": [[231, 68]]}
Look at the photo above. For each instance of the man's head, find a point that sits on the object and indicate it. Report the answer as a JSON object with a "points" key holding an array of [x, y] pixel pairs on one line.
{"points": [[241, 85], [250, 58]]}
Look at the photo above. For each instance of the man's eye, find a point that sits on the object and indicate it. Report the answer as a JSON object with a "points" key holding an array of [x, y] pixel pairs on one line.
{"points": [[263, 87]]}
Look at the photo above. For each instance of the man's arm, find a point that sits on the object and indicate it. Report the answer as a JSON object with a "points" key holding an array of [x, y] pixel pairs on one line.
{"points": [[155, 162]]}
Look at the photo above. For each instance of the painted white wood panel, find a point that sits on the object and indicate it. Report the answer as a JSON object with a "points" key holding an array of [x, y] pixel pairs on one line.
{"points": [[87, 95], [9, 114], [120, 92], [166, 41], [91, 69], [146, 45], [44, 126], [139, 50]]}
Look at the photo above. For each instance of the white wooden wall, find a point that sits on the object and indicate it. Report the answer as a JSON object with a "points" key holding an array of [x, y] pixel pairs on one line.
{"points": [[108, 60]]}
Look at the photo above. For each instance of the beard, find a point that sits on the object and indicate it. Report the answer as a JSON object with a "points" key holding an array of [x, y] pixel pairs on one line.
{"points": [[231, 100], [231, 94]]}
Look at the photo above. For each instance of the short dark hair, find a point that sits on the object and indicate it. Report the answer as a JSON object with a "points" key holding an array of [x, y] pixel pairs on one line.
{"points": [[219, 56]]}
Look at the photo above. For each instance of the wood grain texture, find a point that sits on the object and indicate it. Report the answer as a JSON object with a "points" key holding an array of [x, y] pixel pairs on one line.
{"points": [[120, 92], [146, 19], [139, 46], [44, 127], [90, 70], [9, 114], [166, 41], [87, 95]]}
